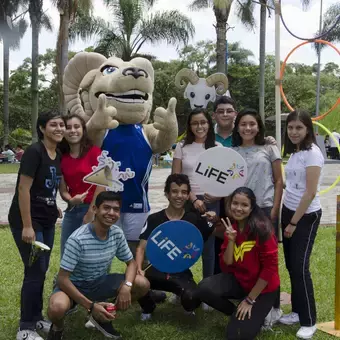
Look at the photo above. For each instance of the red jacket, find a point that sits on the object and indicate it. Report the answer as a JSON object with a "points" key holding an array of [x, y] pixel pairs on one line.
{"points": [[252, 261]]}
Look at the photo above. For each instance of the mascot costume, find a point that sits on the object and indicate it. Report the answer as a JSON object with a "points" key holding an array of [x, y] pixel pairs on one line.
{"points": [[115, 98]]}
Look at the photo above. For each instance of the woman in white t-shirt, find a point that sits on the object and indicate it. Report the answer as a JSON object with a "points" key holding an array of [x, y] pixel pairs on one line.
{"points": [[301, 214], [200, 136]]}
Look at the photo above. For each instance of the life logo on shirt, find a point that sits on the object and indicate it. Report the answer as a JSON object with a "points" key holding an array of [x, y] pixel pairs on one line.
{"points": [[174, 246], [219, 171], [243, 248]]}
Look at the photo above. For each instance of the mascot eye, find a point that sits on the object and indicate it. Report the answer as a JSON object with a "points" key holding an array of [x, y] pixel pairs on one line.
{"points": [[207, 96], [192, 94], [108, 70]]}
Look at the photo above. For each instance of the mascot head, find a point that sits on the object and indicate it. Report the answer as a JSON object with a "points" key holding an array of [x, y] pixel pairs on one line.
{"points": [[128, 86]]}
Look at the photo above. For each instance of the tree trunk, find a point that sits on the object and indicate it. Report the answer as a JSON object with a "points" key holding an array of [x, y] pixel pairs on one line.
{"points": [[62, 52], [221, 35], [35, 74], [263, 18], [6, 89]]}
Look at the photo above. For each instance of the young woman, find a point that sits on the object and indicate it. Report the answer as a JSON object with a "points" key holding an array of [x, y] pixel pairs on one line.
{"points": [[78, 158], [200, 136], [264, 174], [32, 217], [249, 263], [301, 214]]}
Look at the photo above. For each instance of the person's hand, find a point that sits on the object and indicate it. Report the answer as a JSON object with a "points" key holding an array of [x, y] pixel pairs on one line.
{"points": [[200, 206], [78, 199], [101, 314], [243, 309], [289, 231], [124, 297], [210, 199], [60, 213], [273, 215], [270, 140], [229, 230], [211, 216], [89, 217], [141, 272], [28, 235]]}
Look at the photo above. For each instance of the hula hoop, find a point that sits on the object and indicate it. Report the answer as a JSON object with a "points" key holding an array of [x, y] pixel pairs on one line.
{"points": [[282, 71], [337, 180]]}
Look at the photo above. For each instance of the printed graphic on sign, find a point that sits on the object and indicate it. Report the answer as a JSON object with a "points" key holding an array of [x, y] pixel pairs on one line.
{"points": [[219, 171], [107, 174], [174, 246]]}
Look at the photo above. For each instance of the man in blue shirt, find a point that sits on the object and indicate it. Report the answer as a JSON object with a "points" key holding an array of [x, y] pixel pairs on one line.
{"points": [[83, 277]]}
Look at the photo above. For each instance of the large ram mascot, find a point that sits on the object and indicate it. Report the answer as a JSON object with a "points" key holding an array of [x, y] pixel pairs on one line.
{"points": [[115, 98]]}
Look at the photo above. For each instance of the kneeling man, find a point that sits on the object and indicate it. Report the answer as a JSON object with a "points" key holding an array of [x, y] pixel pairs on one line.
{"points": [[83, 277]]}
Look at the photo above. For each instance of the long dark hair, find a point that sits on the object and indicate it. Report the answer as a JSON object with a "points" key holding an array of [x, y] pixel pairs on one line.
{"points": [[259, 138], [85, 142], [190, 137], [310, 138], [260, 225]]}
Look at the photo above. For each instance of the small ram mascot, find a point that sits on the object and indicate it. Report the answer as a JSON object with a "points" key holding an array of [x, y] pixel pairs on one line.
{"points": [[200, 91], [115, 98]]}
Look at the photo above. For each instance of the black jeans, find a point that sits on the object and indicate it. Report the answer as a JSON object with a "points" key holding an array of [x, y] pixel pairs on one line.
{"points": [[34, 276], [216, 292], [297, 251], [181, 284]]}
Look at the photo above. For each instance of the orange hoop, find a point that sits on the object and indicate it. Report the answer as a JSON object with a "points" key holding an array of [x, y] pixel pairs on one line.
{"points": [[282, 71]]}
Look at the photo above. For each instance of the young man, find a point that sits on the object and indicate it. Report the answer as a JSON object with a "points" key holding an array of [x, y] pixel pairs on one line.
{"points": [[177, 190], [83, 277]]}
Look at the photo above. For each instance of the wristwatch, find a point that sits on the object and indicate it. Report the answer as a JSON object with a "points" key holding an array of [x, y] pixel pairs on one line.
{"points": [[128, 283]]}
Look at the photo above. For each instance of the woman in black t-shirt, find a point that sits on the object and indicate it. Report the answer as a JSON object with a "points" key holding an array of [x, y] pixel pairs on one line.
{"points": [[32, 217]]}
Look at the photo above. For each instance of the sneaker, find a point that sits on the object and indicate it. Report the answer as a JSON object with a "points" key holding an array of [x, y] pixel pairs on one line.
{"points": [[206, 307], [145, 316], [272, 318], [73, 310], [55, 335], [290, 319], [174, 299], [106, 329], [43, 326], [187, 313], [90, 325], [306, 332], [27, 334]]}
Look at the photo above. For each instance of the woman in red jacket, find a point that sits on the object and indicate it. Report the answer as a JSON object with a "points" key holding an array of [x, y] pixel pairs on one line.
{"points": [[249, 263]]}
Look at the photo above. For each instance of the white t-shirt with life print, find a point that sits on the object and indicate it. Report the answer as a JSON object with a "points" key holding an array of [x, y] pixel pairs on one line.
{"points": [[260, 179], [295, 172], [189, 155]]}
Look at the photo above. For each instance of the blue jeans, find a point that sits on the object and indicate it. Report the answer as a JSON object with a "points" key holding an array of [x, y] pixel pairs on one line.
{"points": [[34, 276], [208, 254], [73, 219]]}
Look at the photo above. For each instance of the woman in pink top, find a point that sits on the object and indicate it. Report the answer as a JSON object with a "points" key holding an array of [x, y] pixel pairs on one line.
{"points": [[200, 136]]}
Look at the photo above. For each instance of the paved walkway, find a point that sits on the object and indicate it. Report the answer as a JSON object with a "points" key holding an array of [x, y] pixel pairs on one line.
{"points": [[158, 201]]}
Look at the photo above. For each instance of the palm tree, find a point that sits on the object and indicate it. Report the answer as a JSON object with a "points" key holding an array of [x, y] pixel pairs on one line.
{"points": [[132, 26], [12, 29], [38, 20], [68, 12], [329, 18]]}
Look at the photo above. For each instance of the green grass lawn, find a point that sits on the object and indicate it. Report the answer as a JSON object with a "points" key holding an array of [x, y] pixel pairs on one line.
{"points": [[169, 322], [9, 168]]}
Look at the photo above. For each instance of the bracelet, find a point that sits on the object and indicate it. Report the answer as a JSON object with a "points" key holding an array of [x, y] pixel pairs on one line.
{"points": [[91, 307], [194, 200], [249, 301], [293, 224]]}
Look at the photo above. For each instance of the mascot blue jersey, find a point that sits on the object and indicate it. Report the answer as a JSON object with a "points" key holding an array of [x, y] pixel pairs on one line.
{"points": [[127, 144]]}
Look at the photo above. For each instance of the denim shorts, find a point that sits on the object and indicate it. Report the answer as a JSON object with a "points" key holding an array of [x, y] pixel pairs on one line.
{"points": [[101, 289]]}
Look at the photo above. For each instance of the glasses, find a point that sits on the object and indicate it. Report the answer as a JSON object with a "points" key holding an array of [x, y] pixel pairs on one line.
{"points": [[227, 111], [202, 123]]}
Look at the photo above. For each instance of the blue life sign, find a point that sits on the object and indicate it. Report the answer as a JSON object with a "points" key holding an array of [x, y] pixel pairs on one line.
{"points": [[174, 246]]}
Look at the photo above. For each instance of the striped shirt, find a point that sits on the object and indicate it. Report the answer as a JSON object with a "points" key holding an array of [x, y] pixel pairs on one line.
{"points": [[87, 257]]}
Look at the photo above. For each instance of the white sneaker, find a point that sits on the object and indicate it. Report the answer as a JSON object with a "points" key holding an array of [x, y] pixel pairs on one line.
{"points": [[27, 334], [272, 318], [174, 299], [90, 325], [290, 319], [206, 307], [306, 332], [145, 316], [43, 326], [189, 313]]}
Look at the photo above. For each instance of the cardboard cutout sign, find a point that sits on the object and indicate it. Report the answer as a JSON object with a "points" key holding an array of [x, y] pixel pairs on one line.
{"points": [[219, 171], [107, 174], [174, 246]]}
